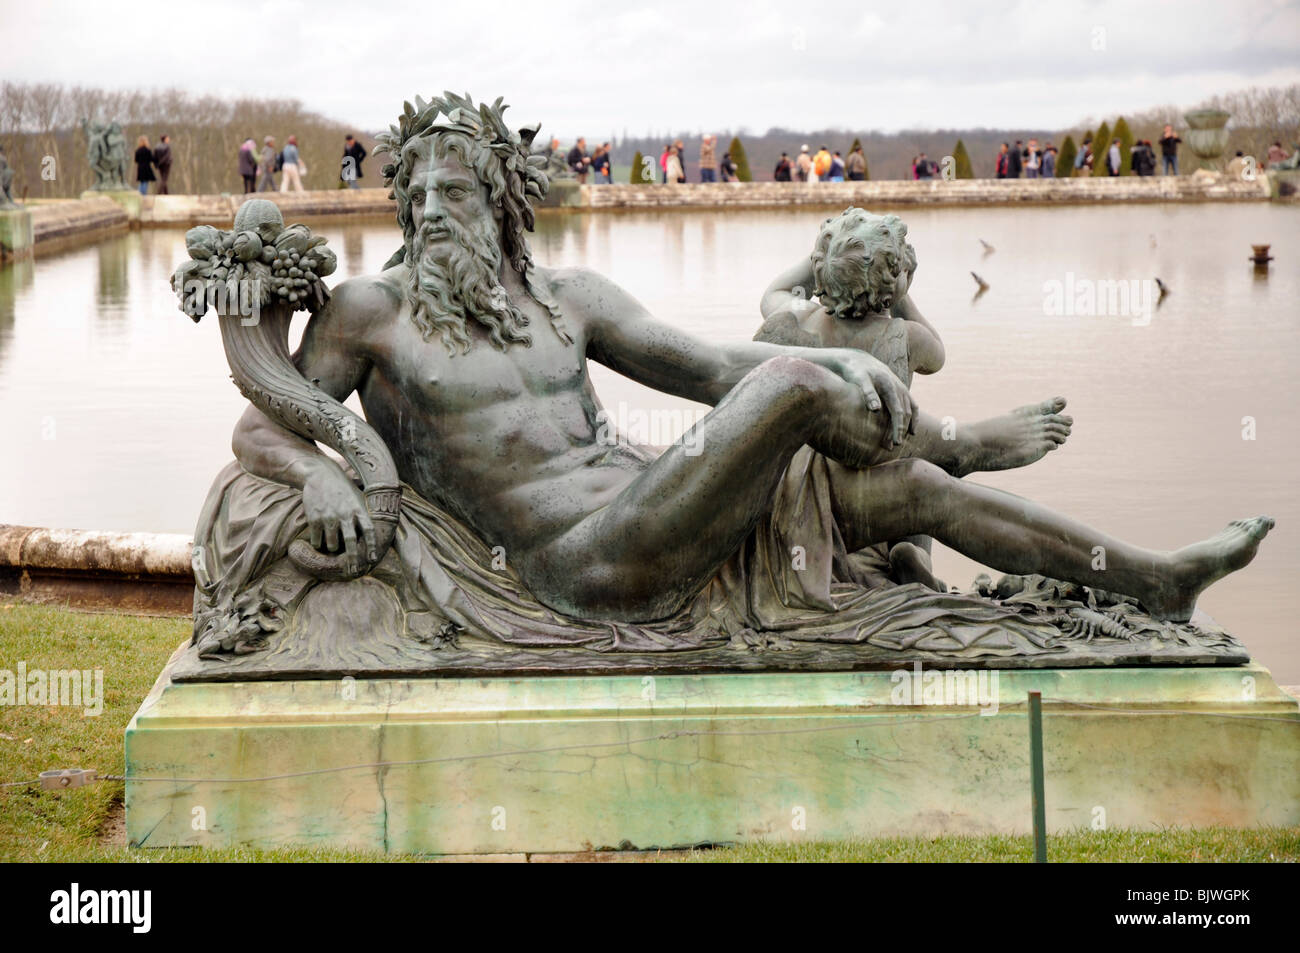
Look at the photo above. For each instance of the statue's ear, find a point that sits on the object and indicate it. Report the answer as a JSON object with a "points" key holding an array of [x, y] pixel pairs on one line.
{"points": [[529, 133]]}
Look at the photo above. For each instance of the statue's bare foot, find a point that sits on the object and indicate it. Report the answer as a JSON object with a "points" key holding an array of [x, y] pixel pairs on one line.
{"points": [[1197, 566], [1021, 437], [910, 563]]}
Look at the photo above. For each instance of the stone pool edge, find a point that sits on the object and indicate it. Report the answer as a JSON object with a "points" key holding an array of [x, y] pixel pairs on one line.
{"points": [[57, 222]]}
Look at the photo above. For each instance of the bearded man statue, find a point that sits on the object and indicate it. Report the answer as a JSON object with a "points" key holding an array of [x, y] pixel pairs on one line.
{"points": [[506, 533]]}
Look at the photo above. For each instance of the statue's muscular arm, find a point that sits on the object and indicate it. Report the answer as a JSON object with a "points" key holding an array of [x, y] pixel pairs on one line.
{"points": [[624, 336], [334, 356]]}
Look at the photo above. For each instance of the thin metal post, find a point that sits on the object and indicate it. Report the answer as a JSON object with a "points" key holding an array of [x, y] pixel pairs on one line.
{"points": [[1036, 775]]}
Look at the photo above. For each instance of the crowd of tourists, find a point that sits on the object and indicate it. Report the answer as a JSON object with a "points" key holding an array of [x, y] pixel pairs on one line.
{"points": [[822, 166], [1030, 160], [1040, 163], [258, 168], [672, 163], [268, 169]]}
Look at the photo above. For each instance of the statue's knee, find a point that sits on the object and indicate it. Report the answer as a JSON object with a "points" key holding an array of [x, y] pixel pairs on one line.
{"points": [[794, 376], [918, 482]]}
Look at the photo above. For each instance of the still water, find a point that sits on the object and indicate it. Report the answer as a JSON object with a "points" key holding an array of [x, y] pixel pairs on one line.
{"points": [[117, 409]]}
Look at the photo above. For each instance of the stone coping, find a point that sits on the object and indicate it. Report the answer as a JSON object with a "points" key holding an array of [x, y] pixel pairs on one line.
{"points": [[54, 223], [62, 218], [934, 192], [75, 550], [128, 572], [175, 210]]}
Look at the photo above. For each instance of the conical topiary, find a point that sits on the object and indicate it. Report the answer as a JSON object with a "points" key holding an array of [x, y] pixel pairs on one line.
{"points": [[742, 163], [1100, 146], [961, 162], [1125, 137], [638, 171], [1065, 158], [866, 168]]}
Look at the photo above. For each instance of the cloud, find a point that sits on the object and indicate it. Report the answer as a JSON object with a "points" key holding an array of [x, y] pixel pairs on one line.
{"points": [[588, 67]]}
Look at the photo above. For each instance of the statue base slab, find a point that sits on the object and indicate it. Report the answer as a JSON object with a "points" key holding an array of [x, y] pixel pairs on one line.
{"points": [[16, 236], [569, 763]]}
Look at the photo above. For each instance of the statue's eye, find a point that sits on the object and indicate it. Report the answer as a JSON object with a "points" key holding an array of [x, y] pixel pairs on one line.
{"points": [[417, 198], [455, 192]]}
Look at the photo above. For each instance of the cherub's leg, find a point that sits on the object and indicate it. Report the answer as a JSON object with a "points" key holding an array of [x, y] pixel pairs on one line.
{"points": [[909, 561], [1016, 535], [1015, 439]]}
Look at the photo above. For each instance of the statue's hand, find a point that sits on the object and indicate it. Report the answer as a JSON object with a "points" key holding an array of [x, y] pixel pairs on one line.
{"points": [[336, 511], [881, 386]]}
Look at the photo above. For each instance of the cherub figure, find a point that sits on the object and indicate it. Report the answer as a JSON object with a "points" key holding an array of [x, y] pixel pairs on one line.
{"points": [[833, 299]]}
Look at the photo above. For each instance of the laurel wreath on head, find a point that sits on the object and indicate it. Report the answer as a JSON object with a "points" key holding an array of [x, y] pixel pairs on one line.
{"points": [[485, 123]]}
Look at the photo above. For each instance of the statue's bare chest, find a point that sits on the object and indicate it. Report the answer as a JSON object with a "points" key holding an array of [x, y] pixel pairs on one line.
{"points": [[446, 381]]}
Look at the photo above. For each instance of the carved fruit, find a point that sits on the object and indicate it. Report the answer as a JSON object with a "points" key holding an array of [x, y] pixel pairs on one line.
{"points": [[202, 242], [247, 246]]}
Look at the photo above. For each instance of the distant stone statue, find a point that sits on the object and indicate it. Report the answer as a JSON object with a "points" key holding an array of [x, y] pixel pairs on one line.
{"points": [[106, 151], [6, 184], [486, 517], [557, 166]]}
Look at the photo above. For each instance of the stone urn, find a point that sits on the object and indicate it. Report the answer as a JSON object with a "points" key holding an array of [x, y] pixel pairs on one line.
{"points": [[1207, 135]]}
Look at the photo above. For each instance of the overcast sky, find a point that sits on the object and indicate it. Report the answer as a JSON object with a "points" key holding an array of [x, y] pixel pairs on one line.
{"points": [[603, 66]]}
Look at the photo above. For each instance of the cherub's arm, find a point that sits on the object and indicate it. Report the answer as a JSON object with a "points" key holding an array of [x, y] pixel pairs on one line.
{"points": [[924, 346], [795, 282]]}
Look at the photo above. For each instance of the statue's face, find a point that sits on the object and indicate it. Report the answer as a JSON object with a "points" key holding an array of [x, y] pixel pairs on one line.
{"points": [[442, 190]]}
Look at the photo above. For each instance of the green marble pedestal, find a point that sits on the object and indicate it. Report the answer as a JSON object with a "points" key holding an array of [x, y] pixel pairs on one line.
{"points": [[566, 763], [16, 236]]}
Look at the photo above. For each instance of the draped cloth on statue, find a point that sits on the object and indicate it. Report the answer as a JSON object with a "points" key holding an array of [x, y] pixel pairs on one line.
{"points": [[886, 340], [785, 584]]}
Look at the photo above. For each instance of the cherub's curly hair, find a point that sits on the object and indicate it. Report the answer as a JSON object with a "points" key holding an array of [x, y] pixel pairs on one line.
{"points": [[499, 156], [857, 261]]}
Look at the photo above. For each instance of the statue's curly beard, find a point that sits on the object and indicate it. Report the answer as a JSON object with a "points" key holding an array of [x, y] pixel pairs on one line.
{"points": [[460, 283]]}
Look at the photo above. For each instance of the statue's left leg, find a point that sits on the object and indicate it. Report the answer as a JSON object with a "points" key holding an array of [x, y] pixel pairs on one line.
{"points": [[1015, 535]]}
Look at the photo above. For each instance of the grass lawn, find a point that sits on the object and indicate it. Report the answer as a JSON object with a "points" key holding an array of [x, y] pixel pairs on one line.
{"points": [[131, 650]]}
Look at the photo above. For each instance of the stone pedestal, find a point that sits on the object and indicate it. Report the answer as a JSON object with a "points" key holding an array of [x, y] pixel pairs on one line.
{"points": [[16, 235], [1207, 136], [563, 193], [540, 764], [129, 199]]}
